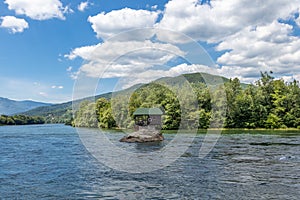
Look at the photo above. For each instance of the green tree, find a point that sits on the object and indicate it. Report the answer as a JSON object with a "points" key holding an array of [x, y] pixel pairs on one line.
{"points": [[86, 115], [233, 89]]}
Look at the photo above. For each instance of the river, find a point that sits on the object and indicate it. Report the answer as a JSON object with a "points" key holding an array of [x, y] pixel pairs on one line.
{"points": [[51, 162]]}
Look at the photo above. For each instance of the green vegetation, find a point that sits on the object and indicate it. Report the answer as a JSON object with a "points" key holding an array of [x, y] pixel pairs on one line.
{"points": [[268, 103], [58, 113], [20, 120]]}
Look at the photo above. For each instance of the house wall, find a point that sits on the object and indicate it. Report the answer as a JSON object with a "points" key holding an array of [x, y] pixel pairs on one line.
{"points": [[156, 120]]}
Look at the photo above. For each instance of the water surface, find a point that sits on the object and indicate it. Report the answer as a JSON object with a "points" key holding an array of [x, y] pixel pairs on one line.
{"points": [[50, 162]]}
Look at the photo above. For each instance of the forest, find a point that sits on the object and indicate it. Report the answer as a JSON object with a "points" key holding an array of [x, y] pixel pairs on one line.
{"points": [[20, 120], [268, 103]]}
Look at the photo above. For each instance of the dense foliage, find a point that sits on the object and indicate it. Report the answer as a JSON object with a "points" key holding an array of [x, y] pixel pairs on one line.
{"points": [[268, 103], [20, 120]]}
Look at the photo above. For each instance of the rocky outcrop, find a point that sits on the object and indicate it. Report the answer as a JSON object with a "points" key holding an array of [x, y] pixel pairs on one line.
{"points": [[143, 135]]}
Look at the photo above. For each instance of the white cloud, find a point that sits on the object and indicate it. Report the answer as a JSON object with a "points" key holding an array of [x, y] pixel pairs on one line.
{"points": [[83, 6], [248, 30], [57, 87], [71, 73], [245, 74], [109, 24], [38, 9], [119, 59], [43, 94], [69, 69], [154, 74], [15, 25], [298, 21], [226, 71], [154, 7], [74, 75], [84, 52], [269, 47], [67, 9], [223, 18], [291, 78]]}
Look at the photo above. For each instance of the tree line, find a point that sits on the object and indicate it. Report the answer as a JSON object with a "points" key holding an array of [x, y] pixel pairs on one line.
{"points": [[267, 103], [20, 120]]}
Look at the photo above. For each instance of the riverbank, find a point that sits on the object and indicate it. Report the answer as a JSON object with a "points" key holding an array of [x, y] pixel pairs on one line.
{"points": [[215, 130], [235, 131]]}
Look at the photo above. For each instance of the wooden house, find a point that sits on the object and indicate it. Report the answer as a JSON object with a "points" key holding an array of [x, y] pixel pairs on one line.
{"points": [[148, 117]]}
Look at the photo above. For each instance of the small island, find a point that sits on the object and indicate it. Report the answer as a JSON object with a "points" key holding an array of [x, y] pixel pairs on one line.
{"points": [[147, 126]]}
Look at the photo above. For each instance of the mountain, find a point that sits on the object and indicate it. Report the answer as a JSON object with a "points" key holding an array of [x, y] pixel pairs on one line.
{"points": [[10, 107], [208, 79], [59, 109], [60, 112]]}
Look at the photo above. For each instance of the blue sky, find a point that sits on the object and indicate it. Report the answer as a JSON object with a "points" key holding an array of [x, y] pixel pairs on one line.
{"points": [[46, 47]]}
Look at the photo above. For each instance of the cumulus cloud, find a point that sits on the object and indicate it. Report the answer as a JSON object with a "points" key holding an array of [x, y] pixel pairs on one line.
{"points": [[118, 59], [245, 74], [251, 33], [154, 74], [37, 9], [84, 52], [220, 19], [15, 25], [147, 76], [269, 47], [83, 6], [108, 24], [291, 78]]}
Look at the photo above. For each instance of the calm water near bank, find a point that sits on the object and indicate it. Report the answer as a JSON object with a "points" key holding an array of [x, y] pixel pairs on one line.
{"points": [[50, 162]]}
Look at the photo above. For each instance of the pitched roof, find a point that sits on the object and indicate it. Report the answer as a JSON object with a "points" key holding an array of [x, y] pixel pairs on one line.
{"points": [[148, 111]]}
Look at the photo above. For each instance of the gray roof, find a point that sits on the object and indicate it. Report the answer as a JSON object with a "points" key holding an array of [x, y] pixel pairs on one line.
{"points": [[148, 111]]}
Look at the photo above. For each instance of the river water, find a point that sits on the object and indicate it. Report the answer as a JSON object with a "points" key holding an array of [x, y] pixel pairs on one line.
{"points": [[50, 162]]}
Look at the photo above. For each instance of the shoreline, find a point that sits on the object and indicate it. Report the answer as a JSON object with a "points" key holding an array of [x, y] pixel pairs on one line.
{"points": [[199, 131], [203, 131]]}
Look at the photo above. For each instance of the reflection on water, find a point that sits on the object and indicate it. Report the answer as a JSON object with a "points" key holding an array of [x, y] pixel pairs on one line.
{"points": [[50, 162]]}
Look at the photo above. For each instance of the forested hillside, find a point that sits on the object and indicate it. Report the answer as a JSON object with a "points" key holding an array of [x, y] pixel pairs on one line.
{"points": [[62, 113], [268, 103]]}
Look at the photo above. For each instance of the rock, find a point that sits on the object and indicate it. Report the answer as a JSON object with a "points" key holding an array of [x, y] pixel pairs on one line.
{"points": [[142, 136]]}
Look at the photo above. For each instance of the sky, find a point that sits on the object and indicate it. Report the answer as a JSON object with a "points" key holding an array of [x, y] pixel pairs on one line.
{"points": [[51, 48]]}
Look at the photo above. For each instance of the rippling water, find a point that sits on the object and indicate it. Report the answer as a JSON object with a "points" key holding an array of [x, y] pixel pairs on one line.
{"points": [[50, 162]]}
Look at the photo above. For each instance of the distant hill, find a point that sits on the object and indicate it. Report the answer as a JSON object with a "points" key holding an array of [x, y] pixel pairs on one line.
{"points": [[59, 112], [208, 79], [59, 109], [10, 107]]}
